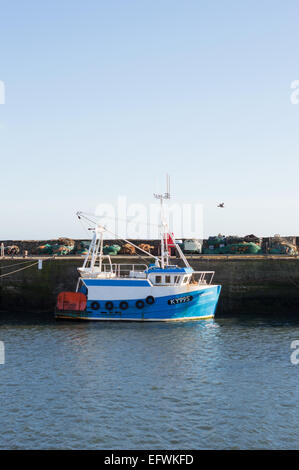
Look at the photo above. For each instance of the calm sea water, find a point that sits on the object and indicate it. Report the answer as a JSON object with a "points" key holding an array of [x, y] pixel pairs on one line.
{"points": [[217, 384]]}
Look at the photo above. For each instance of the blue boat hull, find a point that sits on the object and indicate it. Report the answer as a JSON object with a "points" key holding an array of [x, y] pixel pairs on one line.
{"points": [[199, 304]]}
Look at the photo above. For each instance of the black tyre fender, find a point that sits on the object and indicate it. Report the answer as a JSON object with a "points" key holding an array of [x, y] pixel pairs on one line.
{"points": [[95, 305], [123, 305], [150, 300], [109, 305], [139, 304]]}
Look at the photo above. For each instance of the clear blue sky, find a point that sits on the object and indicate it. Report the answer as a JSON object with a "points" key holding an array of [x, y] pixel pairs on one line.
{"points": [[101, 96]]}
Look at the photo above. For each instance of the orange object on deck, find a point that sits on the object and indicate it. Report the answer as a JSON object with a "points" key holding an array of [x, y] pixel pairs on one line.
{"points": [[71, 301]]}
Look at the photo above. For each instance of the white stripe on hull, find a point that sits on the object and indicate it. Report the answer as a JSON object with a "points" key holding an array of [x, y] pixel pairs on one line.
{"points": [[133, 293], [135, 319]]}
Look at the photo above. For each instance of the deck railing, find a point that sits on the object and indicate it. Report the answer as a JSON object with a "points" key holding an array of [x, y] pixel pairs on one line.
{"points": [[123, 270], [204, 277]]}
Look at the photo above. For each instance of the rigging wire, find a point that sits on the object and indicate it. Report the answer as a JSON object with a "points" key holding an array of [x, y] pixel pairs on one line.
{"points": [[80, 214], [127, 219], [121, 242], [83, 226]]}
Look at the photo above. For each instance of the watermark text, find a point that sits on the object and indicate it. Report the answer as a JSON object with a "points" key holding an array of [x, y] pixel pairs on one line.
{"points": [[295, 354], [142, 221], [2, 353], [295, 93]]}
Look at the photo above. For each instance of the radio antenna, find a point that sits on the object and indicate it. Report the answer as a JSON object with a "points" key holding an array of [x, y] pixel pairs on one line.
{"points": [[163, 225]]}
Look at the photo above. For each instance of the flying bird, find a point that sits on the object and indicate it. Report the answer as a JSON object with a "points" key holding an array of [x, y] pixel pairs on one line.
{"points": [[221, 205]]}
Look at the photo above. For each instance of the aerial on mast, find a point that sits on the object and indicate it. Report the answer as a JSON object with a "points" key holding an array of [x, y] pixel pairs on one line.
{"points": [[166, 195], [163, 224]]}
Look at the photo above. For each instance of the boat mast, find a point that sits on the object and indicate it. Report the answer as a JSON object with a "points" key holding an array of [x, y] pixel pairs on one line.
{"points": [[90, 250], [163, 224], [101, 230], [95, 248]]}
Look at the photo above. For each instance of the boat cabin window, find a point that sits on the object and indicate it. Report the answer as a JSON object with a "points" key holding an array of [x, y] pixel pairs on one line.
{"points": [[168, 279]]}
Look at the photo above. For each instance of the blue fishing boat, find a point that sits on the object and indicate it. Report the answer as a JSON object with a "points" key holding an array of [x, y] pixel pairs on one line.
{"points": [[160, 291]]}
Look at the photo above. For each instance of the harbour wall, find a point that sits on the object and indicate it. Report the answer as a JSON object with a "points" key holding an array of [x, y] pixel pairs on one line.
{"points": [[250, 285]]}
